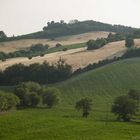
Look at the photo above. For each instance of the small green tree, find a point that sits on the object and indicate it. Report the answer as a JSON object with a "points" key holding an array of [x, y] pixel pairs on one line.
{"points": [[84, 105], [124, 107], [129, 42], [50, 97]]}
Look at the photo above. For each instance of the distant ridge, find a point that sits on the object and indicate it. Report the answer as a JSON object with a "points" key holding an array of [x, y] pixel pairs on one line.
{"points": [[58, 29]]}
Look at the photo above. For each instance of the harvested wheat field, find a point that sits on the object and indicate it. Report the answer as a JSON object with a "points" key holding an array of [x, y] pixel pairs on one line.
{"points": [[78, 58], [74, 39]]}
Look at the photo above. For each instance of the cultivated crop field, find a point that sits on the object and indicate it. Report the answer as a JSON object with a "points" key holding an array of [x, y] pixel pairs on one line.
{"points": [[12, 46], [77, 58], [64, 123]]}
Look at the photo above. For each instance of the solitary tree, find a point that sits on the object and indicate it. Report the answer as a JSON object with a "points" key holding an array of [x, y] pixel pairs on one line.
{"points": [[124, 107], [84, 105], [129, 42]]}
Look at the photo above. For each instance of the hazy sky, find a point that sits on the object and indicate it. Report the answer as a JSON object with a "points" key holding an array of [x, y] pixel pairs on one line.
{"points": [[25, 16]]}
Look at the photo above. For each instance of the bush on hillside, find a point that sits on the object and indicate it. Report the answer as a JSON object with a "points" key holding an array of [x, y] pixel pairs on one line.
{"points": [[58, 45], [39, 48], [8, 101], [98, 43]]}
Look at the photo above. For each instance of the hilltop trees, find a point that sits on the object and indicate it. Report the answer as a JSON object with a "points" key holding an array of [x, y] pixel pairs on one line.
{"points": [[85, 106], [56, 29]]}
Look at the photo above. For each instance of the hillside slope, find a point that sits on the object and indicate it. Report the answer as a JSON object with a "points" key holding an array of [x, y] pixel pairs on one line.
{"points": [[77, 58], [12, 46], [64, 123], [105, 82]]}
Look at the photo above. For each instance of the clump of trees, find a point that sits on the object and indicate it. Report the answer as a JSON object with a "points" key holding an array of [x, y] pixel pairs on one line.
{"points": [[115, 37], [129, 42], [33, 51], [43, 73], [32, 94], [96, 44], [125, 107], [28, 94], [84, 105], [8, 101]]}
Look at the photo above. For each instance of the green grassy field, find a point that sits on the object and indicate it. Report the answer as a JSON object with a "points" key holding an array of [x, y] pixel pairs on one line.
{"points": [[68, 47], [64, 123]]}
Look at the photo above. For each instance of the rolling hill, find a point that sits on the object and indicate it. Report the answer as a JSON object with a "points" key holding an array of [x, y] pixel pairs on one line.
{"points": [[77, 58], [63, 122], [11, 46]]}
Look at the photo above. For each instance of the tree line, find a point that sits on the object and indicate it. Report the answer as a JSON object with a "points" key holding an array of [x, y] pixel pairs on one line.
{"points": [[100, 42], [34, 50], [43, 73], [130, 53]]}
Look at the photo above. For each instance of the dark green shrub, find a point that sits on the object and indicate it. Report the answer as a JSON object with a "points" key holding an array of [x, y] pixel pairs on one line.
{"points": [[42, 54], [30, 57], [65, 49], [8, 101], [58, 45], [50, 97]]}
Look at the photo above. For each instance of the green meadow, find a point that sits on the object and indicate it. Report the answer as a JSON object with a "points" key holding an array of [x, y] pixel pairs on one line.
{"points": [[102, 85]]}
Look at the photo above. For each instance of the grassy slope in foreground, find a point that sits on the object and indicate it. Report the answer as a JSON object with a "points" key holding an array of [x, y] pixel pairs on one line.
{"points": [[64, 123]]}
